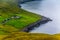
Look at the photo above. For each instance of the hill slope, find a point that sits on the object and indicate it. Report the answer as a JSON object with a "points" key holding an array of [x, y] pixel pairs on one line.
{"points": [[13, 17]]}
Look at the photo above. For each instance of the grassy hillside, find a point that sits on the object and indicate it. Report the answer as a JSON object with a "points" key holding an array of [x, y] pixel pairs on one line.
{"points": [[57, 36], [26, 18], [13, 18], [28, 36]]}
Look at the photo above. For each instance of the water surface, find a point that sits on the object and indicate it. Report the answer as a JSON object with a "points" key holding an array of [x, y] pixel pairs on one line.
{"points": [[48, 8]]}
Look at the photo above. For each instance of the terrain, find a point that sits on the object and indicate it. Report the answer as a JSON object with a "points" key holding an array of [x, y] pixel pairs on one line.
{"points": [[14, 18], [29, 36]]}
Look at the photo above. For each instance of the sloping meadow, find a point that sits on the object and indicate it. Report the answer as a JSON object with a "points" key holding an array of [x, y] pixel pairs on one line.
{"points": [[29, 36], [12, 16]]}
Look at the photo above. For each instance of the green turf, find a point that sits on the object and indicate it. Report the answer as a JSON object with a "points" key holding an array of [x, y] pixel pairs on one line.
{"points": [[26, 18], [9, 8]]}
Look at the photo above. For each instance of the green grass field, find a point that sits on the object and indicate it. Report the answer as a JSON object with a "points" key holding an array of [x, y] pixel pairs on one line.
{"points": [[26, 18], [9, 8]]}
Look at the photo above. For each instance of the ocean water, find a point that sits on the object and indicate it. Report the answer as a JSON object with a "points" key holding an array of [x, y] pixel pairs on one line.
{"points": [[47, 8]]}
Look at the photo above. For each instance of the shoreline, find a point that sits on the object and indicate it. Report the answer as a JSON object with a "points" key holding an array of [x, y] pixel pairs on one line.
{"points": [[36, 24]]}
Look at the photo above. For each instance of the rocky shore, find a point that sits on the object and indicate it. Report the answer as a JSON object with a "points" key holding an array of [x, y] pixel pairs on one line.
{"points": [[36, 24]]}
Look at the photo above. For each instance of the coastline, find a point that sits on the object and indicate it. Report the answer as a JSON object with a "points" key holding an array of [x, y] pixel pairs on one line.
{"points": [[30, 27]]}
